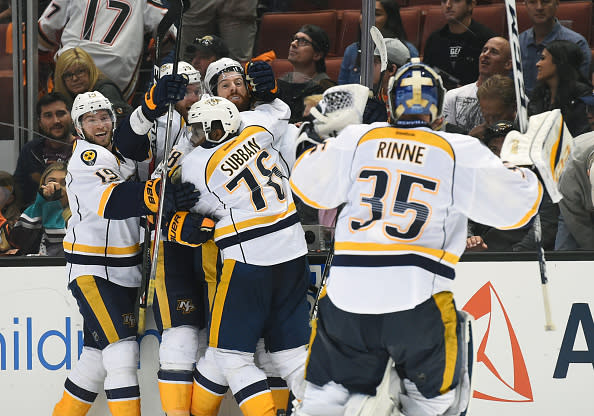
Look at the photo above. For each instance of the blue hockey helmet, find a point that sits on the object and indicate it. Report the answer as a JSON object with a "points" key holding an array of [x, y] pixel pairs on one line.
{"points": [[415, 89]]}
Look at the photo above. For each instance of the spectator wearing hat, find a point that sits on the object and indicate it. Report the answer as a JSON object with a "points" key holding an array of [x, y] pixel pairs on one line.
{"points": [[455, 48], [389, 23], [204, 51], [398, 55], [307, 53]]}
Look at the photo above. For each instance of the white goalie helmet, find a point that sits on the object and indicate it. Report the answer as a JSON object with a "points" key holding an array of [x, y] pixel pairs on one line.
{"points": [[87, 102], [340, 106], [182, 68], [218, 67], [210, 109]]}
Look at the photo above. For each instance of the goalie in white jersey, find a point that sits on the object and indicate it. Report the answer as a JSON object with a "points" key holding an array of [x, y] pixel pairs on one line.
{"points": [[408, 191], [112, 32], [102, 247]]}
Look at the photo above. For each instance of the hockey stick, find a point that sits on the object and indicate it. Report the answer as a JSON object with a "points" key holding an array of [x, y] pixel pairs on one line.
{"points": [[380, 44], [522, 104], [175, 12]]}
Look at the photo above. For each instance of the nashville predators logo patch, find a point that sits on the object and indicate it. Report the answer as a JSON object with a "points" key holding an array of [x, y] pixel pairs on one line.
{"points": [[185, 306], [88, 157], [129, 320]]}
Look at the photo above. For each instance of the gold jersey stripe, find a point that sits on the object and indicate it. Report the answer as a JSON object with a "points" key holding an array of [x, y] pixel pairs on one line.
{"points": [[435, 252]]}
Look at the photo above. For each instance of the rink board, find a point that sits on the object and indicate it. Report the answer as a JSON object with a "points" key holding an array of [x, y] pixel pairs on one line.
{"points": [[520, 369]]}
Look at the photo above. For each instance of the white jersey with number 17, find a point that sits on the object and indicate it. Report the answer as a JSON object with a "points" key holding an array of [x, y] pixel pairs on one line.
{"points": [[111, 31]]}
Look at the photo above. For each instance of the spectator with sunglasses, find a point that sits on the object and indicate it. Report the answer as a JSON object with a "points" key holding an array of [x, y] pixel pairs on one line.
{"points": [[205, 50], [307, 53]]}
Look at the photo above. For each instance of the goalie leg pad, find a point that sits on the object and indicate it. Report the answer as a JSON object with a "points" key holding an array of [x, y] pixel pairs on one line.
{"points": [[413, 403]]}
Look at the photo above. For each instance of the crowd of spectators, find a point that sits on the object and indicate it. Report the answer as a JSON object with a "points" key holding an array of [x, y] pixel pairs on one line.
{"points": [[218, 37]]}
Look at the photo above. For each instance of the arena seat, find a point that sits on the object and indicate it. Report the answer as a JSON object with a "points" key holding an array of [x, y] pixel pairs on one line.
{"points": [[345, 4], [276, 29], [333, 67], [348, 29], [424, 3], [412, 22], [576, 15], [281, 67]]}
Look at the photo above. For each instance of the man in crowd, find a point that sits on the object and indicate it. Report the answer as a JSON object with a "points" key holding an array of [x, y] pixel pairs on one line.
{"points": [[545, 29], [307, 53], [460, 105], [204, 51], [455, 48], [53, 145]]}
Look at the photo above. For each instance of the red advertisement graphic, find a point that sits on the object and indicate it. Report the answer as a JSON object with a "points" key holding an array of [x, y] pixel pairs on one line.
{"points": [[509, 369]]}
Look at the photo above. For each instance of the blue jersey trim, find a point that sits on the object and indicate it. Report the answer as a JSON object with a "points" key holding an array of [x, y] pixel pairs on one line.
{"points": [[391, 261]]}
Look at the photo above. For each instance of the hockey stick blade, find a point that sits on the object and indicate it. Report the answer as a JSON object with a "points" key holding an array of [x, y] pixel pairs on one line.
{"points": [[380, 44]]}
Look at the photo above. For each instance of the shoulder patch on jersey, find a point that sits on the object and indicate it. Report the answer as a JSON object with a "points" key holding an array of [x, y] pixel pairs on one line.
{"points": [[89, 157]]}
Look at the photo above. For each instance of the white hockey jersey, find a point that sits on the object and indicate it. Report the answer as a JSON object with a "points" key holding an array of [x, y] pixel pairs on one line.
{"points": [[244, 184], [112, 32], [407, 194], [94, 245]]}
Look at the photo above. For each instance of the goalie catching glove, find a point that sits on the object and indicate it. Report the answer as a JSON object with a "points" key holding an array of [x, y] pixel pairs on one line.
{"points": [[168, 89], [261, 80]]}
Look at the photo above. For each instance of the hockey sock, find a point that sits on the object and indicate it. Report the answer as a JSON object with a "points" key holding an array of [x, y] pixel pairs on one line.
{"points": [[121, 384], [175, 388], [280, 392]]}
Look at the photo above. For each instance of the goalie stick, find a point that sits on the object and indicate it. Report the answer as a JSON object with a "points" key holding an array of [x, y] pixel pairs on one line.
{"points": [[146, 299], [380, 44], [522, 109]]}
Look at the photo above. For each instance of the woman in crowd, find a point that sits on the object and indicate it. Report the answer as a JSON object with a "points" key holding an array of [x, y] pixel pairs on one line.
{"points": [[76, 73], [559, 85], [389, 22], [41, 227]]}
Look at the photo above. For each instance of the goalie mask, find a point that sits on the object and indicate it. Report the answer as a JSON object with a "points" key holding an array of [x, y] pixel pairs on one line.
{"points": [[209, 110], [88, 102], [215, 69], [414, 90], [340, 106]]}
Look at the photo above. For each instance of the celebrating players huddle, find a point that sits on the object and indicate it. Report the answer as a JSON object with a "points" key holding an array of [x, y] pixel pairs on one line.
{"points": [[230, 294]]}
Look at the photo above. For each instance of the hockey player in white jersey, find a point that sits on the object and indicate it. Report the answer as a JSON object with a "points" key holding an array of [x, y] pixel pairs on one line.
{"points": [[408, 192], [102, 247], [263, 281], [179, 308], [112, 32]]}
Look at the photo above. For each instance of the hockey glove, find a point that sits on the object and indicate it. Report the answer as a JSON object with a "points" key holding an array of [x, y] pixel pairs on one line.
{"points": [[375, 110], [261, 81], [169, 89], [189, 229], [178, 197]]}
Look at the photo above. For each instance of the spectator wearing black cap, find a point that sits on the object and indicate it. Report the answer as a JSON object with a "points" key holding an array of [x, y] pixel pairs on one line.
{"points": [[205, 50], [307, 53]]}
